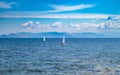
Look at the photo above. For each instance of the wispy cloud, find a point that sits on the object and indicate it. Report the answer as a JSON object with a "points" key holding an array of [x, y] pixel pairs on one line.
{"points": [[62, 8], [5, 5], [38, 14]]}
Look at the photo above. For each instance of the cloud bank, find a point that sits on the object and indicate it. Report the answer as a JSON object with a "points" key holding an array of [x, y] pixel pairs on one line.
{"points": [[60, 26]]}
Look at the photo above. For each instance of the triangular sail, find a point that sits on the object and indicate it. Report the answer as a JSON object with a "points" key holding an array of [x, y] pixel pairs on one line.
{"points": [[63, 41], [44, 39]]}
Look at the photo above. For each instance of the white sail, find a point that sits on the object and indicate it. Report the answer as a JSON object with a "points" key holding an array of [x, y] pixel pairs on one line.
{"points": [[44, 39], [63, 41]]}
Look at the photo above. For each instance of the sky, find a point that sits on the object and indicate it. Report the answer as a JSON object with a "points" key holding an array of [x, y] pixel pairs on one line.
{"points": [[72, 16]]}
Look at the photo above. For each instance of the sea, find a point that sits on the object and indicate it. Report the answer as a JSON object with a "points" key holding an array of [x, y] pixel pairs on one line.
{"points": [[80, 56]]}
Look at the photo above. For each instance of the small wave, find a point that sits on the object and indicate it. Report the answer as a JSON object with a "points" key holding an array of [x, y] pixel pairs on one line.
{"points": [[35, 70], [105, 70], [8, 70]]}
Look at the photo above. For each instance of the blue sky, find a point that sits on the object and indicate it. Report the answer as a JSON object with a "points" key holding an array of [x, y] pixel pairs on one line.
{"points": [[73, 16]]}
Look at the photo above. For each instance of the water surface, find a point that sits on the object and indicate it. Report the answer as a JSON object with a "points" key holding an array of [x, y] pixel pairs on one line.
{"points": [[79, 57]]}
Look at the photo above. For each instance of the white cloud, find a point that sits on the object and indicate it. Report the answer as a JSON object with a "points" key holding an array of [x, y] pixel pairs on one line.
{"points": [[34, 25], [112, 24], [75, 25], [30, 22], [57, 24], [5, 5], [62, 8], [84, 27], [37, 23], [27, 24]]}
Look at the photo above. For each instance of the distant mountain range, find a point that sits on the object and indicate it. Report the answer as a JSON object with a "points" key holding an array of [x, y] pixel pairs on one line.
{"points": [[51, 35]]}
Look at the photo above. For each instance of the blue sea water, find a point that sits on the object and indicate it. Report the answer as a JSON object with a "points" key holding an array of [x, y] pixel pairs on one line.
{"points": [[79, 57]]}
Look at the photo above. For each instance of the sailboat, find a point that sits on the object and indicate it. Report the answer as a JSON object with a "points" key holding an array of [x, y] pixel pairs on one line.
{"points": [[63, 41], [44, 39]]}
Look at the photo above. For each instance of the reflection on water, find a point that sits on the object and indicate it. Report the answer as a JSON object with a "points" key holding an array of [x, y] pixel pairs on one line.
{"points": [[78, 57]]}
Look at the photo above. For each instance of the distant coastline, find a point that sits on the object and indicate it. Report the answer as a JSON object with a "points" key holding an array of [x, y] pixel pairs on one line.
{"points": [[55, 35]]}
